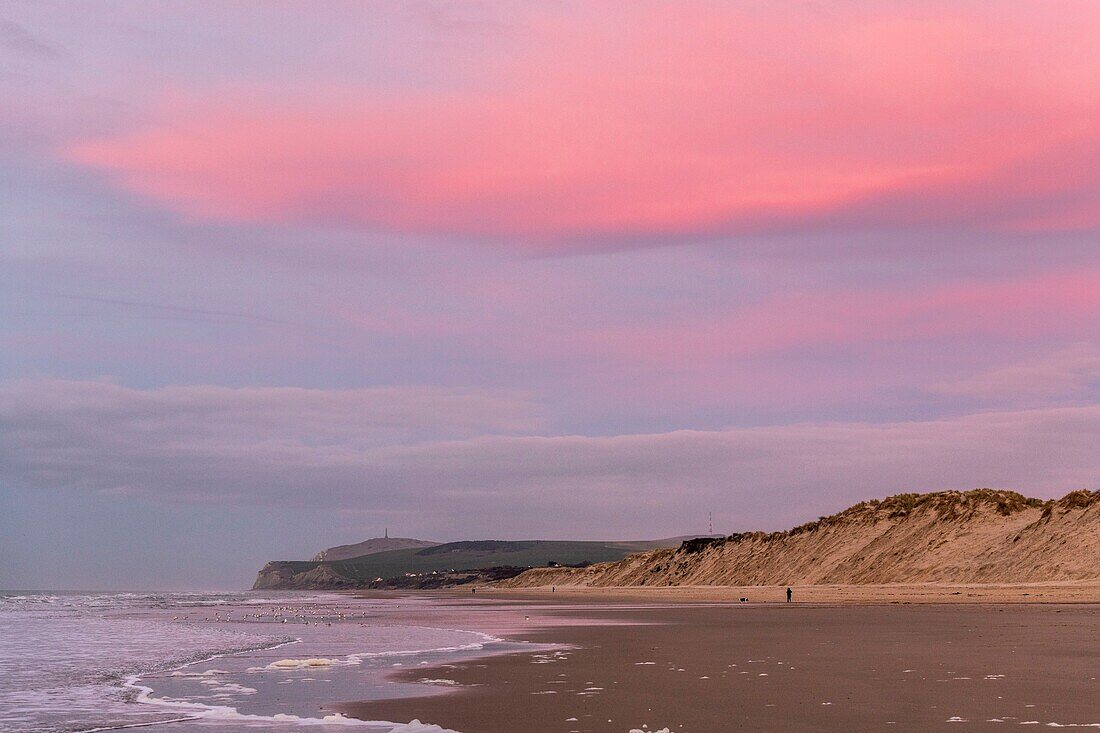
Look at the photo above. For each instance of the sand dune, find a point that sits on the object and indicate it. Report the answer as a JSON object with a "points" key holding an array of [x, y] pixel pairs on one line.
{"points": [[980, 536]]}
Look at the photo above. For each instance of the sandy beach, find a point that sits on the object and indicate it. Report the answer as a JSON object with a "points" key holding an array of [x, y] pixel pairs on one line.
{"points": [[770, 666], [901, 593]]}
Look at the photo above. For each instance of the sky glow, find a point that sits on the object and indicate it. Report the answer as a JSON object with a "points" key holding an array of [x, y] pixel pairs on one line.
{"points": [[275, 276]]}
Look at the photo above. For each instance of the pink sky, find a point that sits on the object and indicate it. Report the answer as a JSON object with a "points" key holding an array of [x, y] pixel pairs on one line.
{"points": [[647, 119], [446, 264]]}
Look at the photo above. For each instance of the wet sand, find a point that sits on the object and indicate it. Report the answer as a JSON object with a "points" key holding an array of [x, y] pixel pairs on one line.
{"points": [[778, 667], [1087, 591]]}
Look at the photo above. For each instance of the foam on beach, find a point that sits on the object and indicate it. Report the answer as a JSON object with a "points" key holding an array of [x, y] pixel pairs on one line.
{"points": [[229, 714], [206, 673], [303, 663]]}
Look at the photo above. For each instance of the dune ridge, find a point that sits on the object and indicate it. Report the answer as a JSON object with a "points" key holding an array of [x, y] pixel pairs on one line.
{"points": [[978, 536]]}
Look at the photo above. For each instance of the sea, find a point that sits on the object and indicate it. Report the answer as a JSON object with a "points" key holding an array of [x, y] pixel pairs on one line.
{"points": [[100, 661]]}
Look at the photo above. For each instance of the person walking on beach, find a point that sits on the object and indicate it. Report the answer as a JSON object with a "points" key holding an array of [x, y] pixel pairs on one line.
{"points": [[789, 594]]}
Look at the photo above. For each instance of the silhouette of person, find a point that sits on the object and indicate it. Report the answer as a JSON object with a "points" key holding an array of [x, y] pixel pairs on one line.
{"points": [[789, 594]]}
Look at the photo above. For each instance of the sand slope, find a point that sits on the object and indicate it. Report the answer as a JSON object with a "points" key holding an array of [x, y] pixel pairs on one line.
{"points": [[980, 536]]}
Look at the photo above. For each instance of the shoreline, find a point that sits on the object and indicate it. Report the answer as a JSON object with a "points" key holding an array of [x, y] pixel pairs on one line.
{"points": [[156, 693], [708, 667], [1060, 592]]}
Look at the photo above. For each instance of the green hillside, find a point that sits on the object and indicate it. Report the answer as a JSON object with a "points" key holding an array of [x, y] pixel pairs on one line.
{"points": [[469, 555], [480, 554]]}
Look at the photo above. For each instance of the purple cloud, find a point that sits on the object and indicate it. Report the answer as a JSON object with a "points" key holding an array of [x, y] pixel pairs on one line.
{"points": [[16, 39], [362, 451], [1067, 374]]}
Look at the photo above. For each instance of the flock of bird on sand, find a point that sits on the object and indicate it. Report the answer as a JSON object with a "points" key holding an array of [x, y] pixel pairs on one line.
{"points": [[282, 614]]}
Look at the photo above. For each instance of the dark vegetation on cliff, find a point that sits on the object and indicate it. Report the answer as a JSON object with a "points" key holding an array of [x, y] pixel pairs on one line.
{"points": [[453, 558]]}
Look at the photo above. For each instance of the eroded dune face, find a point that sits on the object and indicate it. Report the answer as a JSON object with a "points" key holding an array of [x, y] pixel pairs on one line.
{"points": [[980, 536]]}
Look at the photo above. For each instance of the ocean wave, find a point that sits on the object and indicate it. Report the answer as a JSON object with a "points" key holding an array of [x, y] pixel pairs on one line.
{"points": [[105, 600], [200, 711], [121, 660]]}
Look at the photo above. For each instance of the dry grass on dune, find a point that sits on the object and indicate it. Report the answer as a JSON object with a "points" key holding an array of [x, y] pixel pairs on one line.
{"points": [[979, 536]]}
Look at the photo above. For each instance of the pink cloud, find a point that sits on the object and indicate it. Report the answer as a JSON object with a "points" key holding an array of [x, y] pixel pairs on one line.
{"points": [[775, 352], [1047, 305], [642, 120], [799, 348]]}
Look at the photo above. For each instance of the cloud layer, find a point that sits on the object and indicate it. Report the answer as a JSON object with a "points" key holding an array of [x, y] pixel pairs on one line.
{"points": [[637, 121], [318, 449], [877, 268], [1068, 374]]}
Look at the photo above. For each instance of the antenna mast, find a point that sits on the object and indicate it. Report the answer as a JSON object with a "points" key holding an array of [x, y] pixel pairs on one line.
{"points": [[710, 522]]}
